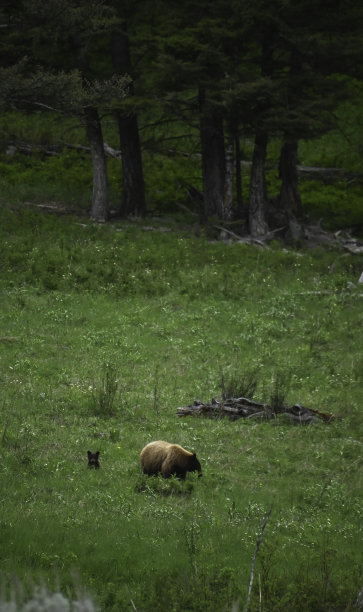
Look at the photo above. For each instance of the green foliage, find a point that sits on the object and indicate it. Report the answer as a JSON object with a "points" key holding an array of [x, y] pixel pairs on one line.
{"points": [[33, 180], [242, 384], [340, 147], [169, 313], [41, 128], [164, 487], [278, 396], [167, 178], [338, 205], [105, 394]]}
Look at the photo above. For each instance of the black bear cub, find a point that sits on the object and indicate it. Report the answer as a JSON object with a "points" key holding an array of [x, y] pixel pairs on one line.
{"points": [[93, 459]]}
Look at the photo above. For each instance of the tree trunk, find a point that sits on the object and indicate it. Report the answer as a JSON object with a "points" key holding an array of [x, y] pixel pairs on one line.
{"points": [[290, 200], [227, 212], [133, 189], [99, 209], [213, 160], [258, 197], [240, 209]]}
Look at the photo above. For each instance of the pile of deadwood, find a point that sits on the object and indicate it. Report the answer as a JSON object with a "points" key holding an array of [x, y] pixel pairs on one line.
{"points": [[310, 235], [241, 407]]}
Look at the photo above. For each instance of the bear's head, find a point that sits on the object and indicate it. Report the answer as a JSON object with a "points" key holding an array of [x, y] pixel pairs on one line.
{"points": [[194, 465], [93, 459]]}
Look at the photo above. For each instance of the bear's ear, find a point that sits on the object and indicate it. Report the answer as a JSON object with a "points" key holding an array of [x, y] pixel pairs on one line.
{"points": [[97, 453], [89, 453]]}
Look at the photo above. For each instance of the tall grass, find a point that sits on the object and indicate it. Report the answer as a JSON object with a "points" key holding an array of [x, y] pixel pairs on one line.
{"points": [[169, 313]]}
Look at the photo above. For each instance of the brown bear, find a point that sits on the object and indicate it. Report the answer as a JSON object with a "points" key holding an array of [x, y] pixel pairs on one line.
{"points": [[93, 459], [168, 459]]}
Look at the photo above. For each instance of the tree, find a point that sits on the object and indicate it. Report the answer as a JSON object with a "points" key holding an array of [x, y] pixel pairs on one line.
{"points": [[316, 44], [213, 159], [289, 198], [79, 38], [227, 212], [251, 69], [133, 190], [99, 209], [58, 74], [258, 191], [190, 71]]}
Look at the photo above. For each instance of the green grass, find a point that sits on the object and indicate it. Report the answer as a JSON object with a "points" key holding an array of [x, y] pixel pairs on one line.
{"points": [[104, 332]]}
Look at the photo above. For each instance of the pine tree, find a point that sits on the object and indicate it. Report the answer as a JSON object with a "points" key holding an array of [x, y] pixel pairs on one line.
{"points": [[190, 66], [317, 42], [51, 68], [133, 189]]}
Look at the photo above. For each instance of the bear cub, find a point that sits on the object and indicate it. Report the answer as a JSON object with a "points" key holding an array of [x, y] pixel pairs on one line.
{"points": [[93, 459], [168, 460]]}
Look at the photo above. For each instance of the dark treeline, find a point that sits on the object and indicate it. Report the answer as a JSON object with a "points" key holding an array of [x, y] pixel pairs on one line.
{"points": [[232, 69]]}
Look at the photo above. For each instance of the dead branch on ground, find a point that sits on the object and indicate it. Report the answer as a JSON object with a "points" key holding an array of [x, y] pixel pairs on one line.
{"points": [[242, 407]]}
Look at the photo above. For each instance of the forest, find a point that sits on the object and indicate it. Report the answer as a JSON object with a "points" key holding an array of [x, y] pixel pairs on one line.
{"points": [[209, 105], [181, 259]]}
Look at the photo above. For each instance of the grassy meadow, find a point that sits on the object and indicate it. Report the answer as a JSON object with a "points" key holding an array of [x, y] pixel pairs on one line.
{"points": [[104, 332]]}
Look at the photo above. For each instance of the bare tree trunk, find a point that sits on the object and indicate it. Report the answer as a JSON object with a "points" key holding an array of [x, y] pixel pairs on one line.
{"points": [[133, 189], [99, 209], [290, 200], [228, 190], [240, 209], [213, 160], [258, 192], [258, 198]]}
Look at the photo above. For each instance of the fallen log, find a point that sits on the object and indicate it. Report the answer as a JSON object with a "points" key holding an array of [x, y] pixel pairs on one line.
{"points": [[56, 149], [310, 235], [242, 407]]}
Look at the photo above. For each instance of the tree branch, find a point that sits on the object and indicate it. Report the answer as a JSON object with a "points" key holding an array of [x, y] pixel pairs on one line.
{"points": [[258, 544]]}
